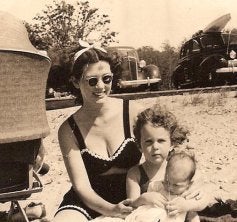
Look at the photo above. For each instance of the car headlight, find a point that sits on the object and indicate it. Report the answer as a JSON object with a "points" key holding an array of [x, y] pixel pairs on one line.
{"points": [[232, 54], [151, 71]]}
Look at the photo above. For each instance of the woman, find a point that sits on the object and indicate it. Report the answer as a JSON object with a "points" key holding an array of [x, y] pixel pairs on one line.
{"points": [[96, 143]]}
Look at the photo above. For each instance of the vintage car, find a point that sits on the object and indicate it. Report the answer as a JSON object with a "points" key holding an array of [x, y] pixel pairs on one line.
{"points": [[131, 74], [208, 58]]}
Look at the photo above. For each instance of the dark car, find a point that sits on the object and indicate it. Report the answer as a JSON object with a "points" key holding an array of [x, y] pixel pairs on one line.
{"points": [[131, 74], [208, 58]]}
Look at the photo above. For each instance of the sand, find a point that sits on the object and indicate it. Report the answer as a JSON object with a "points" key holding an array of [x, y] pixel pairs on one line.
{"points": [[212, 122]]}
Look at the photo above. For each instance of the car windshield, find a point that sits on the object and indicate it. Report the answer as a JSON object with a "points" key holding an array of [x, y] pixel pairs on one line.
{"points": [[125, 51], [212, 41], [128, 52]]}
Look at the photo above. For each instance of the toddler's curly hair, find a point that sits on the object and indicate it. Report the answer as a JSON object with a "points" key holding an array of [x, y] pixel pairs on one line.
{"points": [[159, 116]]}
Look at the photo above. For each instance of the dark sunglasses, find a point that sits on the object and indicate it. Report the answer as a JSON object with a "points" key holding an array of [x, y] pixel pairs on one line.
{"points": [[107, 79]]}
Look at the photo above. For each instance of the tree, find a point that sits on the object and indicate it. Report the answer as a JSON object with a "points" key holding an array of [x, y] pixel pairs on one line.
{"points": [[148, 54], [168, 60], [58, 29], [61, 25]]}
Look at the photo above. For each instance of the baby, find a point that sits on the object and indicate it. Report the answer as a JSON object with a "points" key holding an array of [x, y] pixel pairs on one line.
{"points": [[180, 170]]}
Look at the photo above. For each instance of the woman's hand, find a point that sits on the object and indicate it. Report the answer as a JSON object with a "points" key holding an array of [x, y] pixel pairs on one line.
{"points": [[194, 192], [197, 202], [122, 209]]}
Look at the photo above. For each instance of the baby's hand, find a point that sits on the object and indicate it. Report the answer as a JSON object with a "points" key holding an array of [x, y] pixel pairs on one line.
{"points": [[157, 199], [176, 206], [150, 198]]}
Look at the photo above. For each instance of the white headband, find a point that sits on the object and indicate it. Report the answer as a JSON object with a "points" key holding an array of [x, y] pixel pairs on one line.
{"points": [[87, 47]]}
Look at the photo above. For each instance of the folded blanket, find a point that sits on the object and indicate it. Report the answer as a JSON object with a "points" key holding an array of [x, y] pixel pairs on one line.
{"points": [[224, 218], [221, 211], [147, 213]]}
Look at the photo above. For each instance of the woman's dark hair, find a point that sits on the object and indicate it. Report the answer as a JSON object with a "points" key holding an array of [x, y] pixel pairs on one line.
{"points": [[88, 57], [64, 64], [159, 116]]}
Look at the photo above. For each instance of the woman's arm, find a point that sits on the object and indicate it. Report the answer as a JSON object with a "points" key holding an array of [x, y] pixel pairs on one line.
{"points": [[194, 199], [180, 204], [199, 190], [79, 178]]}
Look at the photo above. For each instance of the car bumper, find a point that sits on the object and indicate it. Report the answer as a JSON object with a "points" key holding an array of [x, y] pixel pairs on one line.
{"points": [[136, 83], [227, 70]]}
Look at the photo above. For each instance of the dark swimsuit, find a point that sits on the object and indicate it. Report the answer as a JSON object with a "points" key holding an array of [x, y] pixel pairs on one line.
{"points": [[110, 187], [144, 179]]}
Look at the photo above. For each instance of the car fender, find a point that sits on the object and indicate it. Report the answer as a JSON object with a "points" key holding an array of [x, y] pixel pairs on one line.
{"points": [[211, 62], [177, 69], [177, 74]]}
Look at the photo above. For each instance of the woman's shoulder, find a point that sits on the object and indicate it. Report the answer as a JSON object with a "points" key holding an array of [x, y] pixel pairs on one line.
{"points": [[66, 136], [71, 118], [65, 128]]}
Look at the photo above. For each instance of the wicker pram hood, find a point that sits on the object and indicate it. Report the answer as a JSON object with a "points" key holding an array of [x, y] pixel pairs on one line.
{"points": [[23, 73]]}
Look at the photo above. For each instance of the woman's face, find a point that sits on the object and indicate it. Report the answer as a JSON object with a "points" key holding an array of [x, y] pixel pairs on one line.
{"points": [[155, 143], [96, 82]]}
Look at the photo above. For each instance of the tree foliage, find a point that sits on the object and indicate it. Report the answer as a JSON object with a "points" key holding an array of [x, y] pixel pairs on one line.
{"points": [[61, 25], [166, 60], [58, 29]]}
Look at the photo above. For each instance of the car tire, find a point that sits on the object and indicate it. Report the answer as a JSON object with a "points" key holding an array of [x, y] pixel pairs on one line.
{"points": [[176, 82]]}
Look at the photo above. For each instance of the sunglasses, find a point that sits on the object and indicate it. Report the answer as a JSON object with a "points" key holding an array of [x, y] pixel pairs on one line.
{"points": [[93, 81]]}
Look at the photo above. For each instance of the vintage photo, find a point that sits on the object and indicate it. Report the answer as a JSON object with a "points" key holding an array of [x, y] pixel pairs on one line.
{"points": [[118, 110]]}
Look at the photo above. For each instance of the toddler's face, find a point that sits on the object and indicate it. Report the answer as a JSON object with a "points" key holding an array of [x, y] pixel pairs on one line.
{"points": [[155, 143]]}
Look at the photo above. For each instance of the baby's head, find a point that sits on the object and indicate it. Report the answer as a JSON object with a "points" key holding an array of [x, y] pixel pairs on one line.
{"points": [[180, 170], [156, 131]]}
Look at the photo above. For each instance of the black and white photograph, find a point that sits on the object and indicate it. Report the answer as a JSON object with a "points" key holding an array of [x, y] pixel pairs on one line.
{"points": [[104, 104]]}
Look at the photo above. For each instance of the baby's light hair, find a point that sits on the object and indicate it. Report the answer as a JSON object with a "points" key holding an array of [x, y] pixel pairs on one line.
{"points": [[180, 156]]}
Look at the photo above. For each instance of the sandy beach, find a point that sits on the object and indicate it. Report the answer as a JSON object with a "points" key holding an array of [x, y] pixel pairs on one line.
{"points": [[211, 119]]}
